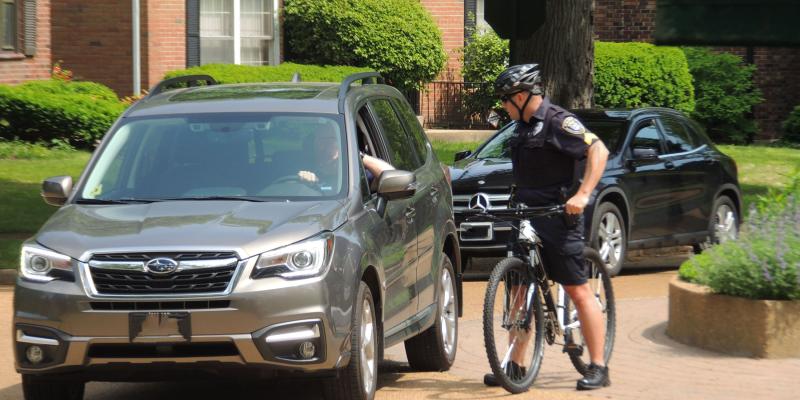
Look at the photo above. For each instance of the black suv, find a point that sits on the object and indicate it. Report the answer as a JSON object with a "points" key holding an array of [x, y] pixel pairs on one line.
{"points": [[665, 184]]}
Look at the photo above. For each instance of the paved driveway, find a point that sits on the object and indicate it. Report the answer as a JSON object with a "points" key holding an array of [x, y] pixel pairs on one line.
{"points": [[646, 364]]}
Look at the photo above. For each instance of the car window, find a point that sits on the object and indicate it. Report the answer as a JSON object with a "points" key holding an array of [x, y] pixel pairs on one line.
{"points": [[403, 156], [418, 138], [221, 155], [647, 137], [497, 146], [697, 134], [676, 136], [610, 132]]}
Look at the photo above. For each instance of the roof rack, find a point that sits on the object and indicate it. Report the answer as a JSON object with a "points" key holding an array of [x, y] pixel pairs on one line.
{"points": [[191, 80], [364, 77]]}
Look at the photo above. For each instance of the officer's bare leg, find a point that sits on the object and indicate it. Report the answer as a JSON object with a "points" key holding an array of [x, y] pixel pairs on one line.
{"points": [[591, 317]]}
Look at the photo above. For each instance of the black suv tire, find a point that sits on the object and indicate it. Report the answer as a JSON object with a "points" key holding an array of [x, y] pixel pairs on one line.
{"points": [[39, 388], [606, 213]]}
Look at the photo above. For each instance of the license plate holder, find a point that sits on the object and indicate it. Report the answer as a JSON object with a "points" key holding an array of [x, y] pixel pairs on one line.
{"points": [[160, 324], [472, 231]]}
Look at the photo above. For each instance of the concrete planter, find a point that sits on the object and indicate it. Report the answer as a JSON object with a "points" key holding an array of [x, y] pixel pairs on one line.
{"points": [[733, 325]]}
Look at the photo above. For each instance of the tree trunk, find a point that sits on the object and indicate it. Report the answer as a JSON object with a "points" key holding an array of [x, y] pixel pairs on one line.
{"points": [[564, 49]]}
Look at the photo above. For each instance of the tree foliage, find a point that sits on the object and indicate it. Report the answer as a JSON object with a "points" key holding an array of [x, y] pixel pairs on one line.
{"points": [[396, 37], [484, 57]]}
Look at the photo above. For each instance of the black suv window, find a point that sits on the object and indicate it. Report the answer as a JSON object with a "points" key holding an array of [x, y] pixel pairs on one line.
{"points": [[403, 156], [647, 137], [414, 128], [676, 136]]}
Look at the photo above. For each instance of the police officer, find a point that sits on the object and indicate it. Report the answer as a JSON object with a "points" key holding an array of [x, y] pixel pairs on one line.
{"points": [[547, 142]]}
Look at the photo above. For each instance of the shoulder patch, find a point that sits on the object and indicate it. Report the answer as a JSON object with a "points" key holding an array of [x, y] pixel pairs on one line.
{"points": [[573, 126]]}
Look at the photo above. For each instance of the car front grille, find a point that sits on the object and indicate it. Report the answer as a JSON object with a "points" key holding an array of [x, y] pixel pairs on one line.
{"points": [[497, 201], [197, 273]]}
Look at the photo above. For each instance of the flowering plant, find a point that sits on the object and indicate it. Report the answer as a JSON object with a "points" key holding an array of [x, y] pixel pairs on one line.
{"points": [[59, 73], [764, 262]]}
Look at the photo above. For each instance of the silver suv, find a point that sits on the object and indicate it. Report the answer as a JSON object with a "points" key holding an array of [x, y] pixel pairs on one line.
{"points": [[234, 228]]}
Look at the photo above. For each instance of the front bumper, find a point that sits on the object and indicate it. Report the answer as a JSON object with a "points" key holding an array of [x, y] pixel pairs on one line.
{"points": [[258, 327]]}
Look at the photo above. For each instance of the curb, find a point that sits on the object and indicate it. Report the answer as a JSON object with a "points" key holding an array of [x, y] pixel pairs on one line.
{"points": [[8, 276]]}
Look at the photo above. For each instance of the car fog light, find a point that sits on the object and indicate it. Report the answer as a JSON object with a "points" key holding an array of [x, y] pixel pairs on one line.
{"points": [[303, 259], [307, 350], [39, 264], [35, 354]]}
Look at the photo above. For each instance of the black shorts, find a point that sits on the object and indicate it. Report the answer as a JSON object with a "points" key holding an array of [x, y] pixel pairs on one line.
{"points": [[562, 249]]}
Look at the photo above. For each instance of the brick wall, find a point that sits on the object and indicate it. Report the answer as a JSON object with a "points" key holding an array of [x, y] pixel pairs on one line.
{"points": [[163, 39], [16, 67], [777, 68], [449, 16]]}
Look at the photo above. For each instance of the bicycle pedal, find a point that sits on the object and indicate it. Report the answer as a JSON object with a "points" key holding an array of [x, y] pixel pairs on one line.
{"points": [[573, 349]]}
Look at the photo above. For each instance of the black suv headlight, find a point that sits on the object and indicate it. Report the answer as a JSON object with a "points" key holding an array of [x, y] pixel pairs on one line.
{"points": [[39, 264], [305, 259]]}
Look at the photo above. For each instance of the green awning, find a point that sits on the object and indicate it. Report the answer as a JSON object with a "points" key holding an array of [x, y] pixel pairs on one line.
{"points": [[728, 22]]}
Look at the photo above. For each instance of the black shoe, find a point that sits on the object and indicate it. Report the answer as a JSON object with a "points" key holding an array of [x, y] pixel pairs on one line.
{"points": [[513, 371], [596, 377]]}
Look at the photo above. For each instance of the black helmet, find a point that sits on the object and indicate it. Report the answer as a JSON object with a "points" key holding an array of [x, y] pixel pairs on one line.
{"points": [[517, 78]]}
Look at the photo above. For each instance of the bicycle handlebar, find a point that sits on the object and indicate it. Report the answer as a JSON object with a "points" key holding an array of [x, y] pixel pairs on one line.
{"points": [[520, 212]]}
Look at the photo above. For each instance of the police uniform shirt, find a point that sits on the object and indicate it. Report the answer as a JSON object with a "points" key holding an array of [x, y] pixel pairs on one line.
{"points": [[544, 152]]}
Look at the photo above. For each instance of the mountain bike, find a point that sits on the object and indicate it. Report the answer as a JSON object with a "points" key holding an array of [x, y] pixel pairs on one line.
{"points": [[522, 310]]}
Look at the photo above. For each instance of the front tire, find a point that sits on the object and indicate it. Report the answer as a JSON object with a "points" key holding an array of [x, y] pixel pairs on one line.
{"points": [[600, 283], [513, 313], [39, 388], [359, 380], [435, 349], [608, 236]]}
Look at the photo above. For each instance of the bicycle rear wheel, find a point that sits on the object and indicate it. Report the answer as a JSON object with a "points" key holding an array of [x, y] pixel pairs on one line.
{"points": [[600, 283], [513, 325]]}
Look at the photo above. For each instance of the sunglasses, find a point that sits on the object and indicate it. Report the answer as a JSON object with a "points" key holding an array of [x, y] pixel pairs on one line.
{"points": [[507, 97]]}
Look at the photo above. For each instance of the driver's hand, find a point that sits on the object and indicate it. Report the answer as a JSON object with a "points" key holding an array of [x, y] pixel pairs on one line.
{"points": [[308, 176], [577, 203]]}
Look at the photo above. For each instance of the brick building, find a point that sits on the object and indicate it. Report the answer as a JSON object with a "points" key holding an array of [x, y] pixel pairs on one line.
{"points": [[24, 40]]}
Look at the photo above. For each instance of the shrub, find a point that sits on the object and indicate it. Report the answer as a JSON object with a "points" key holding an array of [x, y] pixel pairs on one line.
{"points": [[485, 57], [764, 262], [724, 95], [396, 37], [632, 75], [77, 113], [791, 127], [231, 73]]}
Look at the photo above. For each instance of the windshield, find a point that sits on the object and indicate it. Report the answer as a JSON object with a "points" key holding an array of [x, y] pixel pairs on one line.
{"points": [[254, 157], [611, 132]]}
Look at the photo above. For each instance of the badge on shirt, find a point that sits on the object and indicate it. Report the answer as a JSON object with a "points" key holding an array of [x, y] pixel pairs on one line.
{"points": [[573, 126], [538, 128]]}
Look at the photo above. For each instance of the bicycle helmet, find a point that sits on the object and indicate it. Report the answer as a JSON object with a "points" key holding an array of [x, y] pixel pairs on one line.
{"points": [[523, 77]]}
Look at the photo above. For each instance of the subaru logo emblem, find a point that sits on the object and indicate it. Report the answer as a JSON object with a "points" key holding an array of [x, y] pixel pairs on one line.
{"points": [[480, 201], [161, 266]]}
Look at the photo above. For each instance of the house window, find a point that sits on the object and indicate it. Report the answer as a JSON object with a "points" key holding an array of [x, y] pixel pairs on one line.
{"points": [[8, 25], [238, 32]]}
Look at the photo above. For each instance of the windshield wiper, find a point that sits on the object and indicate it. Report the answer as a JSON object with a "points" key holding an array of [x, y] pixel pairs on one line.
{"points": [[115, 201], [240, 198]]}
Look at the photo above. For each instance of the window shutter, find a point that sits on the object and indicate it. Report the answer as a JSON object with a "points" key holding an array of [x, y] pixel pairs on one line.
{"points": [[192, 33], [470, 15], [30, 27]]}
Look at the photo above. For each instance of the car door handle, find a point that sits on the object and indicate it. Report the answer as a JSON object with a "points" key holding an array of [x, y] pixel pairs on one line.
{"points": [[410, 213], [669, 165]]}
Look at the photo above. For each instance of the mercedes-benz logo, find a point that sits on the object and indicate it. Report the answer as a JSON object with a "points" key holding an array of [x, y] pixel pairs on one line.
{"points": [[161, 266], [480, 201]]}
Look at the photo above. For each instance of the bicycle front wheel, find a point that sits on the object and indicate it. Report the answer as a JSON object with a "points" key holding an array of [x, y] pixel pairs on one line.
{"points": [[600, 283], [513, 325]]}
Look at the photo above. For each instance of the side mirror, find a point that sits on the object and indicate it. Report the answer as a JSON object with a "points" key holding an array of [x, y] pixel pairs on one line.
{"points": [[462, 155], [397, 184], [56, 190], [645, 153]]}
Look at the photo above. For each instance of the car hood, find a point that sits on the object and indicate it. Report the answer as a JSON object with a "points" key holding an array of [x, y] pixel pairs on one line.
{"points": [[245, 227], [473, 175]]}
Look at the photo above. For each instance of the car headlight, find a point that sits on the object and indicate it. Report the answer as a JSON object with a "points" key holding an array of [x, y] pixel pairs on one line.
{"points": [[43, 265], [300, 260]]}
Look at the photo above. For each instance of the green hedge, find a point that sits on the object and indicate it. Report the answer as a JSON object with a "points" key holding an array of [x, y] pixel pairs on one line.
{"points": [[791, 127], [628, 75], [485, 57], [73, 112], [230, 73], [725, 94], [399, 38]]}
